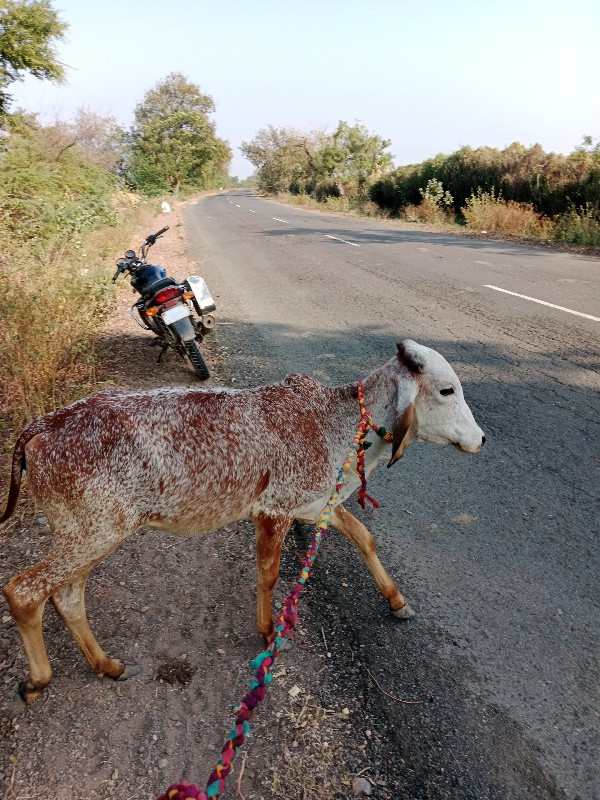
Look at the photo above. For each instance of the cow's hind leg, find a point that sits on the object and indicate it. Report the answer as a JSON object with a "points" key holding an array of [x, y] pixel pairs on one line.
{"points": [[69, 602], [360, 537], [270, 534], [26, 595]]}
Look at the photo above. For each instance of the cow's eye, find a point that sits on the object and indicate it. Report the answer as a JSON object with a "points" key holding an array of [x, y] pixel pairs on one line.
{"points": [[447, 391]]}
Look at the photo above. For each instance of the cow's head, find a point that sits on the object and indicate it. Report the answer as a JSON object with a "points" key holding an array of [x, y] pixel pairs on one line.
{"points": [[431, 406]]}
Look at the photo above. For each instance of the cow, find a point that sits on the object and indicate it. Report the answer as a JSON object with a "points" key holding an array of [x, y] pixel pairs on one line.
{"points": [[188, 461]]}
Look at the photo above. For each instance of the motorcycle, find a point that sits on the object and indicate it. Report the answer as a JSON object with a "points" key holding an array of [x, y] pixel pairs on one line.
{"points": [[179, 314]]}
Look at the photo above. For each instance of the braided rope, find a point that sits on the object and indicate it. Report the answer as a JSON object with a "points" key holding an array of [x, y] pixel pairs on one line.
{"points": [[362, 496], [286, 621]]}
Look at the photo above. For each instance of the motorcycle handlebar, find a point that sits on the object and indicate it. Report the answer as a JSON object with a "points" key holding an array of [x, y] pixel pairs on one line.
{"points": [[154, 236]]}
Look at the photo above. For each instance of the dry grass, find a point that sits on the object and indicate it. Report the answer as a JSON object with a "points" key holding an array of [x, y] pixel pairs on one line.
{"points": [[486, 212], [312, 752], [428, 212], [51, 309]]}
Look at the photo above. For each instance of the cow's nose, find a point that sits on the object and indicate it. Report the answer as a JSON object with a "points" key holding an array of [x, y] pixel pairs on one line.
{"points": [[482, 440]]}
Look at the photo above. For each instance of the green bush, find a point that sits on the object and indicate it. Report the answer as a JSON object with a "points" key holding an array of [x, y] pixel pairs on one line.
{"points": [[550, 182], [61, 225], [579, 226], [49, 193]]}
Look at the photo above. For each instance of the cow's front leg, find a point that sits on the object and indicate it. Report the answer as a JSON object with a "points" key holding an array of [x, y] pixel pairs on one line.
{"points": [[360, 537], [270, 534]]}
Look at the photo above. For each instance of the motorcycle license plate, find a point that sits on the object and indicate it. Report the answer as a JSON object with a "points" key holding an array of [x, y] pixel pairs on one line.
{"points": [[170, 315]]}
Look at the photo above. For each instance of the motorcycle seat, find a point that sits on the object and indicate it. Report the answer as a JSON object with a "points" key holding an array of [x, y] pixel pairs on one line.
{"points": [[156, 286]]}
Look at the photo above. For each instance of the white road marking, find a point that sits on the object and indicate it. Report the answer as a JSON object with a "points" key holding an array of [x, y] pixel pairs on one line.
{"points": [[543, 302], [281, 220], [345, 241], [252, 211], [237, 205]]}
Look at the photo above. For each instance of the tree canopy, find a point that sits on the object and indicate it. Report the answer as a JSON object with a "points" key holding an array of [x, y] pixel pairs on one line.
{"points": [[173, 142], [284, 157], [29, 30], [318, 163]]}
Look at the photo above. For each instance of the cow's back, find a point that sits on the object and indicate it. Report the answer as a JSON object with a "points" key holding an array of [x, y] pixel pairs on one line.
{"points": [[180, 458]]}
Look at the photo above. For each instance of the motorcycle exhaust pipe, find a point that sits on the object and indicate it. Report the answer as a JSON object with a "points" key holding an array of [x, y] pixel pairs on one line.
{"points": [[208, 323]]}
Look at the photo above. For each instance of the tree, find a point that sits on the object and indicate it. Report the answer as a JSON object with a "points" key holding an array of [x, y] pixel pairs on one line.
{"points": [[173, 142], [291, 160], [351, 153], [28, 31], [98, 139], [284, 158]]}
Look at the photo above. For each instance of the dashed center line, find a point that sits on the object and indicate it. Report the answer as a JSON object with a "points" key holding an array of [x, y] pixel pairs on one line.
{"points": [[345, 241], [281, 220], [543, 302]]}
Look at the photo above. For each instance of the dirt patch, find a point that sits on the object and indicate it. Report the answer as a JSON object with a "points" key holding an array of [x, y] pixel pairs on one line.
{"points": [[176, 670]]}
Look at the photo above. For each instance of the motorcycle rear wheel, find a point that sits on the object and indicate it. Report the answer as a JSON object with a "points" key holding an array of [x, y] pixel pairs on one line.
{"points": [[195, 357]]}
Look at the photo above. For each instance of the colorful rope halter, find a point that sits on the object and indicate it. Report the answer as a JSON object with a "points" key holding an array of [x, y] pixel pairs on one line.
{"points": [[286, 621]]}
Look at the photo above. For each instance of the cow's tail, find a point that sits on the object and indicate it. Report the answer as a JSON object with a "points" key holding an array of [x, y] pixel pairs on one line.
{"points": [[19, 466]]}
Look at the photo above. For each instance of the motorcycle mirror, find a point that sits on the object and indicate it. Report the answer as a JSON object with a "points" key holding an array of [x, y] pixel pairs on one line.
{"points": [[129, 254]]}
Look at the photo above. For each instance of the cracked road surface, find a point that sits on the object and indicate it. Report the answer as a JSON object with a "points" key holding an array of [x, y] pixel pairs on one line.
{"points": [[497, 552]]}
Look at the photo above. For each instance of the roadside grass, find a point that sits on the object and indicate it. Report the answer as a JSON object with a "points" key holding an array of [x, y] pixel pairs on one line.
{"points": [[483, 212], [428, 212], [344, 205], [579, 227], [52, 302]]}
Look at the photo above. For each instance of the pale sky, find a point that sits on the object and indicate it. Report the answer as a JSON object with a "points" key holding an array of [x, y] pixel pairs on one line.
{"points": [[431, 75]]}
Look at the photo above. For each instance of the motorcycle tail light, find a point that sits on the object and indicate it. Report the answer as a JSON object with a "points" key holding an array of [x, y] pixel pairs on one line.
{"points": [[150, 312], [188, 295], [167, 294]]}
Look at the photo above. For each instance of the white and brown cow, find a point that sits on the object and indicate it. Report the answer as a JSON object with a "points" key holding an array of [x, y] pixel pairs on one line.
{"points": [[188, 461]]}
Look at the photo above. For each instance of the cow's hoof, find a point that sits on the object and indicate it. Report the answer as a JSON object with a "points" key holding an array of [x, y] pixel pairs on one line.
{"points": [[129, 671], [405, 612], [28, 692]]}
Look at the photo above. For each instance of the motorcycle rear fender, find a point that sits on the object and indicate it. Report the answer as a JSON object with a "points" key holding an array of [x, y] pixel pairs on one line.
{"points": [[184, 329]]}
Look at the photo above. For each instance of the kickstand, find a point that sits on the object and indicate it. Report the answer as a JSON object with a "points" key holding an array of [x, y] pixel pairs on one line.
{"points": [[163, 350]]}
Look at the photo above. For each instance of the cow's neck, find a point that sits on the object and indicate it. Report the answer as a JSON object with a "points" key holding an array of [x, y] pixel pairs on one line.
{"points": [[381, 393], [380, 390]]}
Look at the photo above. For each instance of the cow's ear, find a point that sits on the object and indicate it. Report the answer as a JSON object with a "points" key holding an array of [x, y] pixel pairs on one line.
{"points": [[404, 428], [405, 423], [409, 358]]}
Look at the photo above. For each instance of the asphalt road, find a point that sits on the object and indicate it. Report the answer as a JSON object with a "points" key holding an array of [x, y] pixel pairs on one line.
{"points": [[497, 552]]}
